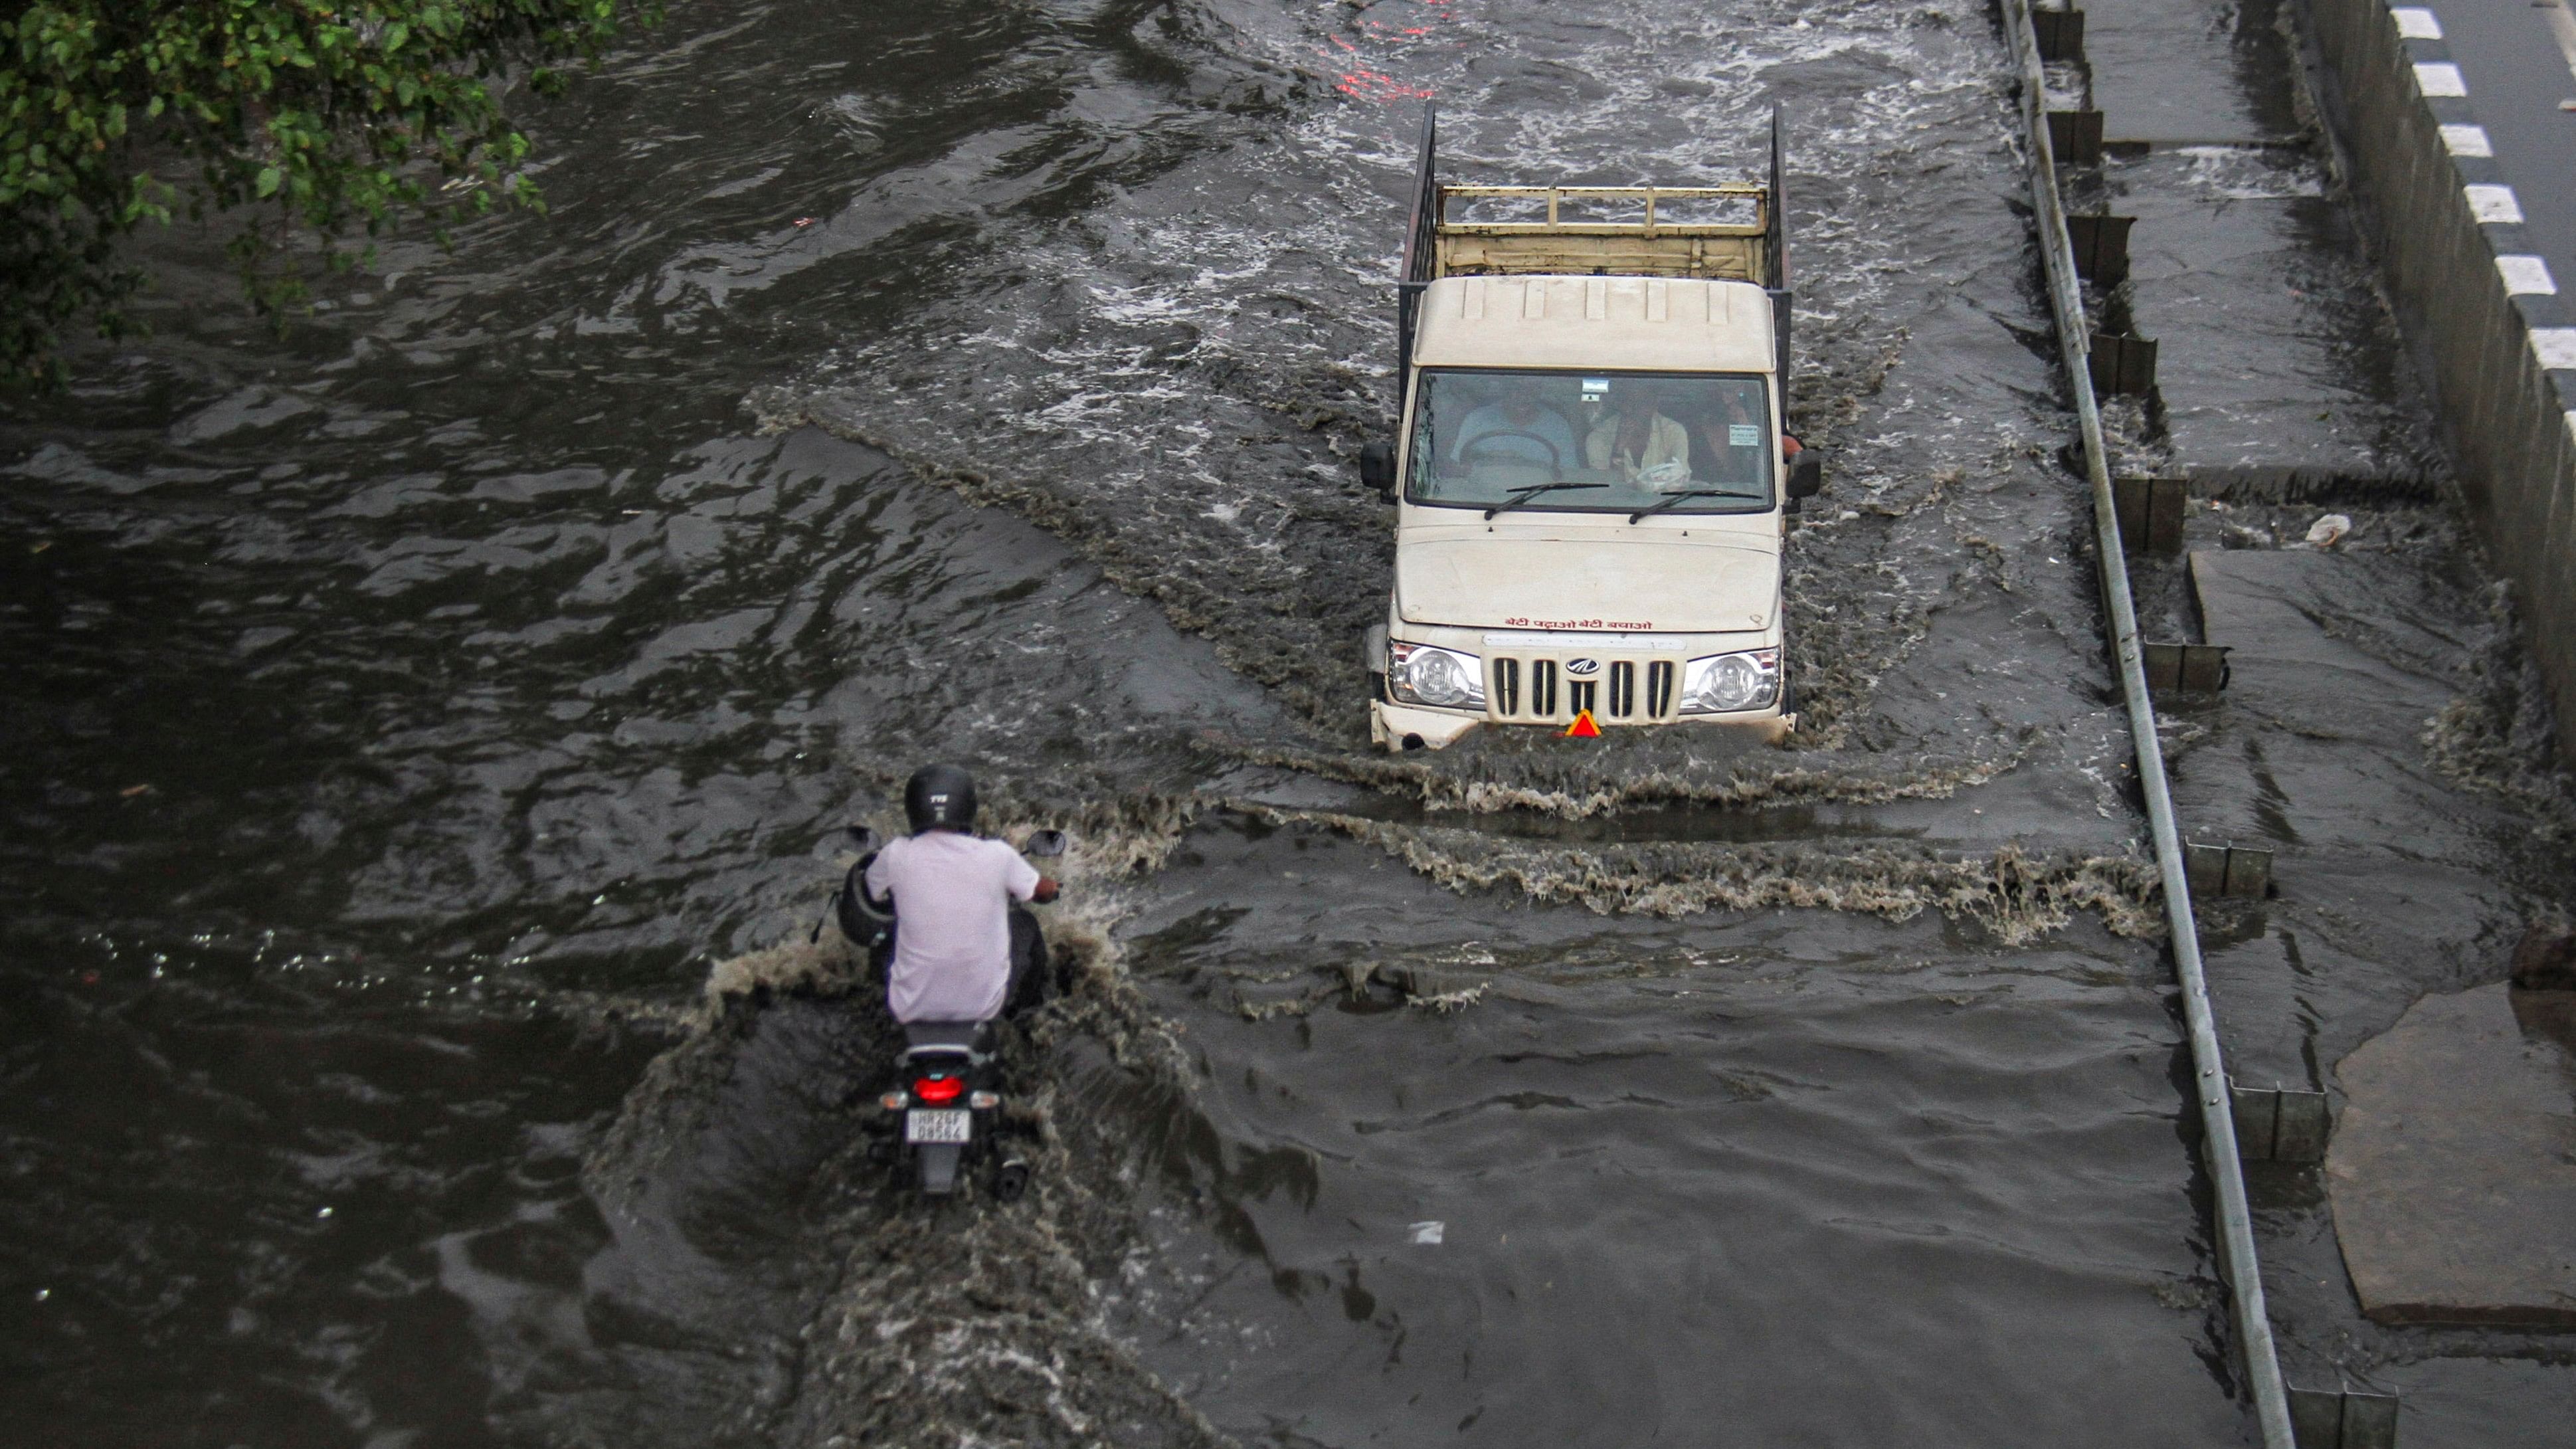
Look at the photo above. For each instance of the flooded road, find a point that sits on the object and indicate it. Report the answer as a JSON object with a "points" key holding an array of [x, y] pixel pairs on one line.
{"points": [[426, 729]]}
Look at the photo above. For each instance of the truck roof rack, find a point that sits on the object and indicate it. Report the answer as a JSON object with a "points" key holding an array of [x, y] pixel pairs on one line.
{"points": [[1731, 232], [1647, 226]]}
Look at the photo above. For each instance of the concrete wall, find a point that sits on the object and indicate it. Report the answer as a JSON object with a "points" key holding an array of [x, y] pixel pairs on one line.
{"points": [[2511, 423]]}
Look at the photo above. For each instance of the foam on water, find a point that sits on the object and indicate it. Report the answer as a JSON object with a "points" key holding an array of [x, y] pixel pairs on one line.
{"points": [[2498, 736], [2016, 898]]}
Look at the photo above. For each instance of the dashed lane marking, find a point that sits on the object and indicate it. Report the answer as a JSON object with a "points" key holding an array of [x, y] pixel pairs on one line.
{"points": [[2467, 141], [2416, 23], [2440, 78], [2527, 276], [2495, 204]]}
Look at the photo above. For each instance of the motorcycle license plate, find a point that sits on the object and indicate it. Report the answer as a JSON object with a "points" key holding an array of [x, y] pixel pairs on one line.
{"points": [[947, 1126]]}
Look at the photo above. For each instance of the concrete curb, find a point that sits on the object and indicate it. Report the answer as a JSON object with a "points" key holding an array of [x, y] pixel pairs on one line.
{"points": [[2496, 326]]}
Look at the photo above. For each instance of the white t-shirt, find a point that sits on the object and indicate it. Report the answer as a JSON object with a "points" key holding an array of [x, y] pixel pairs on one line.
{"points": [[952, 941]]}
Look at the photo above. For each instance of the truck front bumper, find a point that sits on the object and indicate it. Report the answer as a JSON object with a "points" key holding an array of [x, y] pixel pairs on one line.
{"points": [[1402, 727]]}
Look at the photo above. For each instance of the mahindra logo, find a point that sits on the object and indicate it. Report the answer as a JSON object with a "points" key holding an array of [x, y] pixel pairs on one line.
{"points": [[1582, 667]]}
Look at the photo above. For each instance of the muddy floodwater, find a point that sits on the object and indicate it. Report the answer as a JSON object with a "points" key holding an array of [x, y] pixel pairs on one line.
{"points": [[425, 731]]}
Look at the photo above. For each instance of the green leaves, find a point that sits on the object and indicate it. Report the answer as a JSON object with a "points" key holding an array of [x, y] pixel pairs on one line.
{"points": [[313, 115]]}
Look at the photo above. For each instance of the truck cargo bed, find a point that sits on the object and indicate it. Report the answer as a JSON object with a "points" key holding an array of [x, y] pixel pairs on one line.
{"points": [[1624, 231], [1731, 232]]}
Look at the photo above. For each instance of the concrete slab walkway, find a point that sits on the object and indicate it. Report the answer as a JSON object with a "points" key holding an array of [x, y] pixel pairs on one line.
{"points": [[2453, 1172]]}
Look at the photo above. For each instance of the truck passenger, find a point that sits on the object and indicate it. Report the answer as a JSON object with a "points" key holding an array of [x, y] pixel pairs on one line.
{"points": [[1732, 438], [1644, 445]]}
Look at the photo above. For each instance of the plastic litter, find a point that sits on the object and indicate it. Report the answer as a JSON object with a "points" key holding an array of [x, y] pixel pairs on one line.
{"points": [[1428, 1234], [2328, 531]]}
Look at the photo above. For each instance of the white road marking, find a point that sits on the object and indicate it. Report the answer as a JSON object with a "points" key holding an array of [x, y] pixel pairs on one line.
{"points": [[2555, 346], [2527, 276], [2416, 23], [2466, 141], [2440, 78], [2563, 21], [2494, 204]]}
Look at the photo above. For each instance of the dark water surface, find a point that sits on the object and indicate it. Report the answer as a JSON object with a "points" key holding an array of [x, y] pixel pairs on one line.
{"points": [[406, 717]]}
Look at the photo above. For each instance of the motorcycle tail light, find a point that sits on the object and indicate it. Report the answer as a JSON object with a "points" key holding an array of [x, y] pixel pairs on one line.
{"points": [[894, 1101], [984, 1101], [937, 1090]]}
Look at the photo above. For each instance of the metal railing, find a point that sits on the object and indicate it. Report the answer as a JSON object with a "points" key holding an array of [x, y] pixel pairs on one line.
{"points": [[2209, 1068]]}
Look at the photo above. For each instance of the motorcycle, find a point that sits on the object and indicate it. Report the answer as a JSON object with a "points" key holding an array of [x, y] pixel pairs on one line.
{"points": [[943, 1113]]}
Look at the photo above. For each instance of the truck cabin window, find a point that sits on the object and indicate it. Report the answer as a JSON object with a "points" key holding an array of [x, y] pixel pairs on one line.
{"points": [[1671, 442]]}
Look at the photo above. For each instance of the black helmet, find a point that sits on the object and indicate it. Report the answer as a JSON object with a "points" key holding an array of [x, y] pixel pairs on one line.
{"points": [[940, 797]]}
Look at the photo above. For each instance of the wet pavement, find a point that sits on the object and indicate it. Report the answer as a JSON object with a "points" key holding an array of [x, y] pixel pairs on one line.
{"points": [[427, 729]]}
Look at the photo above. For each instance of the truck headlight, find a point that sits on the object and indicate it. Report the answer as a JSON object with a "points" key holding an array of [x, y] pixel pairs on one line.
{"points": [[1420, 674], [1725, 683]]}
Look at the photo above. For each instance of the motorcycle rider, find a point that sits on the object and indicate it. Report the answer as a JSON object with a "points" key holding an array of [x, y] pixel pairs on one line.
{"points": [[957, 956]]}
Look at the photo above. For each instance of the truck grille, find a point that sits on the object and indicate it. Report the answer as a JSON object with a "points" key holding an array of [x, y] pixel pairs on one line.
{"points": [[1541, 690]]}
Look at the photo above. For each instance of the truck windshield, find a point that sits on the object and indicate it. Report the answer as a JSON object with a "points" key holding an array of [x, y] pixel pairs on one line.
{"points": [[1659, 441]]}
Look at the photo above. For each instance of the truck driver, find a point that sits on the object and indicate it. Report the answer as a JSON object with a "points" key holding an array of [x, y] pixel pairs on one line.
{"points": [[1517, 428]]}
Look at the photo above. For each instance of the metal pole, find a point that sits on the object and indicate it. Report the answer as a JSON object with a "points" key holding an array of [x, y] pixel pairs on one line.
{"points": [[1420, 229], [2209, 1070]]}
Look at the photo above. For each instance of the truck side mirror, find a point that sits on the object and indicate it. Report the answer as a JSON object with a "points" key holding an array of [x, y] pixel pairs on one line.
{"points": [[1377, 469], [1806, 474]]}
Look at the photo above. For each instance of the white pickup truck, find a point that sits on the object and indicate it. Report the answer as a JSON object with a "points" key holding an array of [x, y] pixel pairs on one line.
{"points": [[1592, 482]]}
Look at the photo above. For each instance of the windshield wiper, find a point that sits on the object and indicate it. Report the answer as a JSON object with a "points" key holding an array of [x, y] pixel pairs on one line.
{"points": [[1524, 495], [1671, 499]]}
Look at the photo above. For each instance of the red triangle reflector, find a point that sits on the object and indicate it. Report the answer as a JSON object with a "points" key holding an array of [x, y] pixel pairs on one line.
{"points": [[1583, 728]]}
